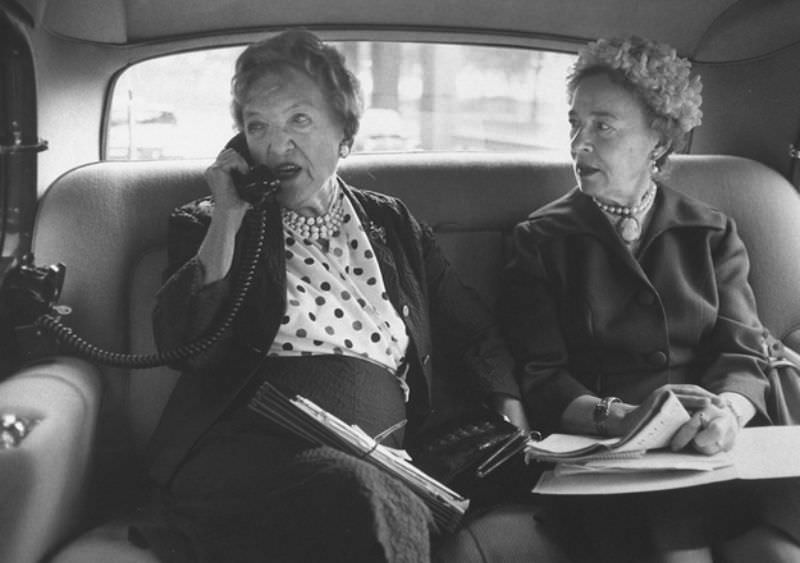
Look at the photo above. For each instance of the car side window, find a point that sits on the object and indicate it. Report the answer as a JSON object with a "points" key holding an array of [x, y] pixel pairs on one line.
{"points": [[418, 97]]}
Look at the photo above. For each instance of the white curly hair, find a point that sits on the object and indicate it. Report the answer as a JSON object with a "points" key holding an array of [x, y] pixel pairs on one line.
{"points": [[656, 74]]}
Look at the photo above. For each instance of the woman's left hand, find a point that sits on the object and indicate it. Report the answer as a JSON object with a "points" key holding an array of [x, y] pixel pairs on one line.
{"points": [[712, 428]]}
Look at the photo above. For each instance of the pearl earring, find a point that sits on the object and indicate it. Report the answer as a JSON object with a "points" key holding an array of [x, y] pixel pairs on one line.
{"points": [[654, 166]]}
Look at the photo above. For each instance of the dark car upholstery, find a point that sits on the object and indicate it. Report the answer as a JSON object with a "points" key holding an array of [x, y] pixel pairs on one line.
{"points": [[107, 222]]}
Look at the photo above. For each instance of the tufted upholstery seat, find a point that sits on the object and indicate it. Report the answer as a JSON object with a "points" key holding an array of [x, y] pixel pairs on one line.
{"points": [[107, 223]]}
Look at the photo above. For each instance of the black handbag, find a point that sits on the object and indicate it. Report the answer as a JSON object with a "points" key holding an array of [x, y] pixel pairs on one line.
{"points": [[479, 454], [783, 373]]}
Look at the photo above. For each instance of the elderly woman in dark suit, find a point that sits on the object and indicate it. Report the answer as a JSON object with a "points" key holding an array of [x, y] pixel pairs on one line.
{"points": [[624, 286], [345, 294]]}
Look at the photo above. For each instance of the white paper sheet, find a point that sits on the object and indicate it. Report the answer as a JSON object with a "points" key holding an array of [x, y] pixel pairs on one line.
{"points": [[768, 452]]}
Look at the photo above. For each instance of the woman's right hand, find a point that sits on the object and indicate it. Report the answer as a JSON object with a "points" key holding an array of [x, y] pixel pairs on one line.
{"points": [[217, 249], [692, 397], [712, 427], [220, 181]]}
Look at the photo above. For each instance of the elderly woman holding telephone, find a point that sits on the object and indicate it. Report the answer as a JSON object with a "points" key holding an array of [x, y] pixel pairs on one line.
{"points": [[624, 286], [347, 289]]}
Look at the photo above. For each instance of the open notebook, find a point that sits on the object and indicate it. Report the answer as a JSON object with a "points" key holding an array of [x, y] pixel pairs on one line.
{"points": [[653, 431], [309, 421]]}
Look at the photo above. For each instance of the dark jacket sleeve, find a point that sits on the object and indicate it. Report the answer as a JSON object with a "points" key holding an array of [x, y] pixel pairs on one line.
{"points": [[734, 343], [527, 306], [185, 308]]}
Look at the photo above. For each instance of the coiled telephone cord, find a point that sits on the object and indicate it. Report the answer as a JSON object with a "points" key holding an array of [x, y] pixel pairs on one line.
{"points": [[256, 224]]}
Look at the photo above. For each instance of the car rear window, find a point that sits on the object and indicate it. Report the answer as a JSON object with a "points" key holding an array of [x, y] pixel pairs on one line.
{"points": [[418, 97]]}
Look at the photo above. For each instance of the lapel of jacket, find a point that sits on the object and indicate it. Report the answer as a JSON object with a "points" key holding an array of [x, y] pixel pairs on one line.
{"points": [[273, 257], [377, 231], [270, 282], [590, 220], [671, 210]]}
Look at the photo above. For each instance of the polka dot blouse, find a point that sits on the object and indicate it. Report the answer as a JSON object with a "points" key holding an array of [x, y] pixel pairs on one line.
{"points": [[336, 299]]}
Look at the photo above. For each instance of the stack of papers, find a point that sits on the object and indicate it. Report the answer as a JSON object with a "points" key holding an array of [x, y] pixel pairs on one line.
{"points": [[653, 461], [765, 452]]}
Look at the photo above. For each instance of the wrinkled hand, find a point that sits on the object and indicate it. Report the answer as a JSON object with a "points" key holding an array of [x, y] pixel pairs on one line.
{"points": [[220, 182], [712, 428]]}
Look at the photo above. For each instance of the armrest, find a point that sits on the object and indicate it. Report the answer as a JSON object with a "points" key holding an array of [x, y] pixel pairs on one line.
{"points": [[43, 476]]}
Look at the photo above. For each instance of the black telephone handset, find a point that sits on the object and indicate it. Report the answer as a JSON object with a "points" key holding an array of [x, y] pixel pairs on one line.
{"points": [[259, 183]]}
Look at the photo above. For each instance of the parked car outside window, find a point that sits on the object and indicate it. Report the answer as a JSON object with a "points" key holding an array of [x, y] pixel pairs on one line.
{"points": [[142, 133]]}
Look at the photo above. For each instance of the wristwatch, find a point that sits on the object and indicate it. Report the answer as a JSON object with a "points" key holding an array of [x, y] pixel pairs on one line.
{"points": [[600, 414]]}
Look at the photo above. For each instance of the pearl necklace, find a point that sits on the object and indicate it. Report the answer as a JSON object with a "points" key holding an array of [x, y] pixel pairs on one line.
{"points": [[629, 226], [315, 228]]}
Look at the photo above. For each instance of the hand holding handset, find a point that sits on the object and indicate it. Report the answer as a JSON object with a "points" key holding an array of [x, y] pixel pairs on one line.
{"points": [[259, 183]]}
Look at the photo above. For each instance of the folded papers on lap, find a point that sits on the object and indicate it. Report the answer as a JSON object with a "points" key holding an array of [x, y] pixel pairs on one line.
{"points": [[765, 452], [651, 461], [654, 431], [640, 462]]}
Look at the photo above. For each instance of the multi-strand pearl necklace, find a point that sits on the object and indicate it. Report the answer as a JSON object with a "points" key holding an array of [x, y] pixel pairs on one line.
{"points": [[314, 228], [629, 226]]}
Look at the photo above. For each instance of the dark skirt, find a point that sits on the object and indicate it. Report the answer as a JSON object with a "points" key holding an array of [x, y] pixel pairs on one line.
{"points": [[250, 492]]}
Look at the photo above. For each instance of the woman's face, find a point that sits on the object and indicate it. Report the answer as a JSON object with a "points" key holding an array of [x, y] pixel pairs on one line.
{"points": [[291, 128], [612, 143]]}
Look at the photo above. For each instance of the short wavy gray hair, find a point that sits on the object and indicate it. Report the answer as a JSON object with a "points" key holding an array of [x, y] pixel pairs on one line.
{"points": [[656, 75], [301, 50]]}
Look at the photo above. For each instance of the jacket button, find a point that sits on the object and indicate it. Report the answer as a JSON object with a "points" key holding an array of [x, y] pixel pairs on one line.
{"points": [[646, 298], [406, 310], [657, 358]]}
